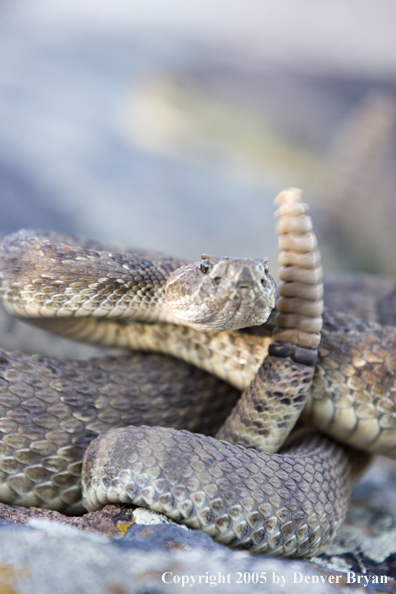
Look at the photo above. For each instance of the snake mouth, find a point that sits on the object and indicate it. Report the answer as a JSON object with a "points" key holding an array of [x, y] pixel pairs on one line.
{"points": [[246, 308]]}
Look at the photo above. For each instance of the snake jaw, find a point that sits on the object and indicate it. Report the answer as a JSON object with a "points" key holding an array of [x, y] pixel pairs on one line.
{"points": [[221, 294]]}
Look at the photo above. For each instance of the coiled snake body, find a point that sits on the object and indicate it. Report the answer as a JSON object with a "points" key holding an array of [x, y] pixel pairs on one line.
{"points": [[290, 503]]}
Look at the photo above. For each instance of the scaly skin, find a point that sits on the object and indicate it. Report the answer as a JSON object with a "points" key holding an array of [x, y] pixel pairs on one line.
{"points": [[290, 504]]}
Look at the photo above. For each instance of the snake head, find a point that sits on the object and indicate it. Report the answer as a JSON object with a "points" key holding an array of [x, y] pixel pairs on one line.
{"points": [[219, 294]]}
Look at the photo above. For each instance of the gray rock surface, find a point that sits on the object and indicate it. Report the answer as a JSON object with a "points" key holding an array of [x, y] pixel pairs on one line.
{"points": [[47, 557], [119, 550]]}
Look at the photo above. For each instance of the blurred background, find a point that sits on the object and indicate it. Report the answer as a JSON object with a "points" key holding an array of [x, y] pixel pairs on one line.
{"points": [[172, 126]]}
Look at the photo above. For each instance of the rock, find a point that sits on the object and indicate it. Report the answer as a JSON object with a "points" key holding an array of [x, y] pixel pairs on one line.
{"points": [[48, 557], [119, 550]]}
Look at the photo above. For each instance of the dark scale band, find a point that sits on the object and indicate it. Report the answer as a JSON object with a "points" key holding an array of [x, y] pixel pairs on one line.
{"points": [[296, 353]]}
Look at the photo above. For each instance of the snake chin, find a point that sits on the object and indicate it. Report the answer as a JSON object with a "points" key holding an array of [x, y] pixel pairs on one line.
{"points": [[221, 294]]}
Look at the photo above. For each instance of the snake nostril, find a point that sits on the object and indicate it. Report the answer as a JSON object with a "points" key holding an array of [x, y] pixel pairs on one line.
{"points": [[217, 280]]}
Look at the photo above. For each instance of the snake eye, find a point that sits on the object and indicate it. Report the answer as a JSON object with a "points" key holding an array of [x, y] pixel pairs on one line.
{"points": [[266, 271], [205, 266]]}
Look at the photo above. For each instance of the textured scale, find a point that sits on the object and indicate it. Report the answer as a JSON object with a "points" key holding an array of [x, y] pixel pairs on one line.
{"points": [[44, 277], [39, 280], [290, 503], [270, 406], [353, 396], [50, 410]]}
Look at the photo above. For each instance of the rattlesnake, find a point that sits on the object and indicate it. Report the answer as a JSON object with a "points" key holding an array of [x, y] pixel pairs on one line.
{"points": [[290, 504]]}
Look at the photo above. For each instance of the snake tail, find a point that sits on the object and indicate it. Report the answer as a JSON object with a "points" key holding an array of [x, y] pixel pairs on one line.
{"points": [[271, 405], [299, 309]]}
